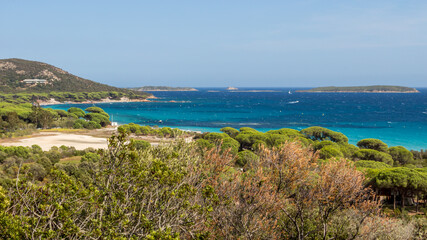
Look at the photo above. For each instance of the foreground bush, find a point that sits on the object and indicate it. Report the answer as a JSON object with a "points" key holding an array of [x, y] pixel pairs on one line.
{"points": [[176, 191]]}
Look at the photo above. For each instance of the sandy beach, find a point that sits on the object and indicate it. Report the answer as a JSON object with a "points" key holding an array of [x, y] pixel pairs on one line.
{"points": [[48, 140], [80, 140]]}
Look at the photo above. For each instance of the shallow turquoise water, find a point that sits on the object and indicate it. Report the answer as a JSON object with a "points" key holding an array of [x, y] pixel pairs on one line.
{"points": [[395, 118]]}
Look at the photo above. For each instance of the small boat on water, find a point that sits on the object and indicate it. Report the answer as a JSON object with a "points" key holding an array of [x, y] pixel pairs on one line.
{"points": [[289, 92]]}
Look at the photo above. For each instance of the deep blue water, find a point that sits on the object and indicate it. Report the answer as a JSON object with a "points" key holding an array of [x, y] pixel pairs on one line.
{"points": [[395, 118]]}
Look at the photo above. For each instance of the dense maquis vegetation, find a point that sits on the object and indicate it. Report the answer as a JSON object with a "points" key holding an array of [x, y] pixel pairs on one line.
{"points": [[370, 155], [376, 88], [23, 119], [164, 132], [180, 190], [74, 97]]}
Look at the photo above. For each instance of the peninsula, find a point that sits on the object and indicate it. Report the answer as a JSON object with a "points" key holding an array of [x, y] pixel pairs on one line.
{"points": [[24, 81], [163, 89], [364, 89]]}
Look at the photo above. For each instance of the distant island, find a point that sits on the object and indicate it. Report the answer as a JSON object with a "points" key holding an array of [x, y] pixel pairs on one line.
{"points": [[364, 89], [163, 88]]}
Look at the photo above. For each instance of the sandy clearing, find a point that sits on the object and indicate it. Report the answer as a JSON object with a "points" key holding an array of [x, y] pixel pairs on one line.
{"points": [[80, 142]]}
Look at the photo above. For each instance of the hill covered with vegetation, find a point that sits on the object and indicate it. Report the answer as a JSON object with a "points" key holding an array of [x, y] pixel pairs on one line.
{"points": [[14, 71], [371, 89]]}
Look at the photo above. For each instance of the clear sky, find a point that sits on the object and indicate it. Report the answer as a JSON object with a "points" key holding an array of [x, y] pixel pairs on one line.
{"points": [[223, 43]]}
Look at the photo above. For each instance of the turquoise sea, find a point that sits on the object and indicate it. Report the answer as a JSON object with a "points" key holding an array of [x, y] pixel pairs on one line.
{"points": [[395, 118]]}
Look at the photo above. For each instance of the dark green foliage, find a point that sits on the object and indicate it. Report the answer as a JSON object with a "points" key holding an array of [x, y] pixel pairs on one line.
{"points": [[305, 142], [42, 118], [62, 113], [46, 162], [91, 125], [97, 110], [232, 132], [348, 149], [231, 145], [369, 154], [371, 164], [403, 180], [247, 138], [77, 111], [32, 117], [244, 157], [375, 144], [330, 151], [204, 144], [215, 136], [321, 144], [291, 133], [98, 118], [258, 145], [401, 155], [166, 132], [419, 155], [38, 171], [248, 130], [319, 133], [90, 157], [223, 140], [79, 123], [275, 140], [141, 144]]}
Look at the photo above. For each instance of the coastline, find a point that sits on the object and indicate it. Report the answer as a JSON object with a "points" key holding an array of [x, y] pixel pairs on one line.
{"points": [[106, 100], [177, 90]]}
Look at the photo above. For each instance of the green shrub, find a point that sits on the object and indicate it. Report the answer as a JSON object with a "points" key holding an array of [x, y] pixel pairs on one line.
{"points": [[79, 124], [77, 111], [98, 118], [248, 138], [369, 154], [141, 144], [37, 171], [401, 155], [371, 164], [90, 157], [244, 157], [330, 151], [375, 144], [92, 125], [291, 133], [232, 132], [320, 144], [347, 149], [204, 144], [319, 133]]}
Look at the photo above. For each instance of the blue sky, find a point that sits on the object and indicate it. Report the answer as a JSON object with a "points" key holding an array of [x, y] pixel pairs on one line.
{"points": [[223, 43]]}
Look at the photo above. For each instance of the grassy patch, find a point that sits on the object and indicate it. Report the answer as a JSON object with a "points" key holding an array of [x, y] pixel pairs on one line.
{"points": [[74, 160], [61, 130]]}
